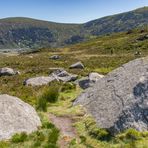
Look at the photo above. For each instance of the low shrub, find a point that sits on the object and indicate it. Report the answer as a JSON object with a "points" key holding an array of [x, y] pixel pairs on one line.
{"points": [[42, 104], [48, 125], [50, 145], [37, 144], [95, 131], [98, 133], [16, 138], [83, 139], [53, 136], [73, 142], [133, 134], [4, 144], [67, 87], [39, 136], [51, 94]]}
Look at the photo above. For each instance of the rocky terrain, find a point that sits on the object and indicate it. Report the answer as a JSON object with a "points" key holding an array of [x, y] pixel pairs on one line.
{"points": [[51, 79]]}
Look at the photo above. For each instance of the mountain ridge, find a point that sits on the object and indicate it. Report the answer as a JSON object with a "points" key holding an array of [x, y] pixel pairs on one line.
{"points": [[21, 32]]}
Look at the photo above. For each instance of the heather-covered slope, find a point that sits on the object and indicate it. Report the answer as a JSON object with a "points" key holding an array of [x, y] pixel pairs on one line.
{"points": [[31, 33]]}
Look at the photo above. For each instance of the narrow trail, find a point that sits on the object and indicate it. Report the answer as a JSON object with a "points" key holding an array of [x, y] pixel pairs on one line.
{"points": [[67, 131]]}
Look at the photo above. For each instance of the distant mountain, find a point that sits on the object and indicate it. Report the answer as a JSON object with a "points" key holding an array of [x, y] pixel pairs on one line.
{"points": [[31, 33], [118, 23], [26, 33]]}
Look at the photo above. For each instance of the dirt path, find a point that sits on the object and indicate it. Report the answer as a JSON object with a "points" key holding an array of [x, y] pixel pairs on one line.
{"points": [[65, 125]]}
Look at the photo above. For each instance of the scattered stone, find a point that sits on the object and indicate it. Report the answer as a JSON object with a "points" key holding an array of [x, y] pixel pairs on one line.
{"points": [[84, 82], [94, 77], [129, 31], [137, 53], [8, 72], [57, 75], [62, 75], [56, 68], [16, 116], [120, 100], [77, 65], [55, 57], [142, 38], [89, 81], [39, 81]]}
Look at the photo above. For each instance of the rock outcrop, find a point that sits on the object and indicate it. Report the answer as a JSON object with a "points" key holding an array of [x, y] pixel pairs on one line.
{"points": [[16, 116], [8, 71], [120, 100]]}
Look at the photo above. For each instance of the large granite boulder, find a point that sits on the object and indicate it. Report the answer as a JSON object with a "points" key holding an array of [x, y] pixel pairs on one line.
{"points": [[16, 116], [8, 71], [120, 100]]}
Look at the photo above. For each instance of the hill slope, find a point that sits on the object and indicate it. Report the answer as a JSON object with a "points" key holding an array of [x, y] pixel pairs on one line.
{"points": [[118, 23], [31, 33]]}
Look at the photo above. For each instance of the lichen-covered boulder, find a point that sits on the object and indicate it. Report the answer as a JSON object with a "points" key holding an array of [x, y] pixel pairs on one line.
{"points": [[120, 100], [16, 116]]}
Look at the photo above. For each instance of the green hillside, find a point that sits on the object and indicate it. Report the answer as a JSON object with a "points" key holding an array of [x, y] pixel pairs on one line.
{"points": [[31, 33]]}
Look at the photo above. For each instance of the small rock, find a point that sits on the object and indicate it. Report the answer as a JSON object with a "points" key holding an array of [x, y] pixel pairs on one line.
{"points": [[89, 81], [8, 72], [56, 68], [142, 38], [62, 75], [38, 81], [84, 82], [94, 76], [77, 65], [55, 57]]}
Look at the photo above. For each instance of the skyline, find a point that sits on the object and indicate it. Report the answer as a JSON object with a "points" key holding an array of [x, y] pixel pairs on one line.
{"points": [[67, 11]]}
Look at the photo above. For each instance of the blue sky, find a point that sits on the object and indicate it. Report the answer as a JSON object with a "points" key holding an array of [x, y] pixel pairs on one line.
{"points": [[67, 11]]}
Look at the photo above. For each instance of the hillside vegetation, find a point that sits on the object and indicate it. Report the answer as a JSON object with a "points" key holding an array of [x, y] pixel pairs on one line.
{"points": [[31, 33], [102, 55]]}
